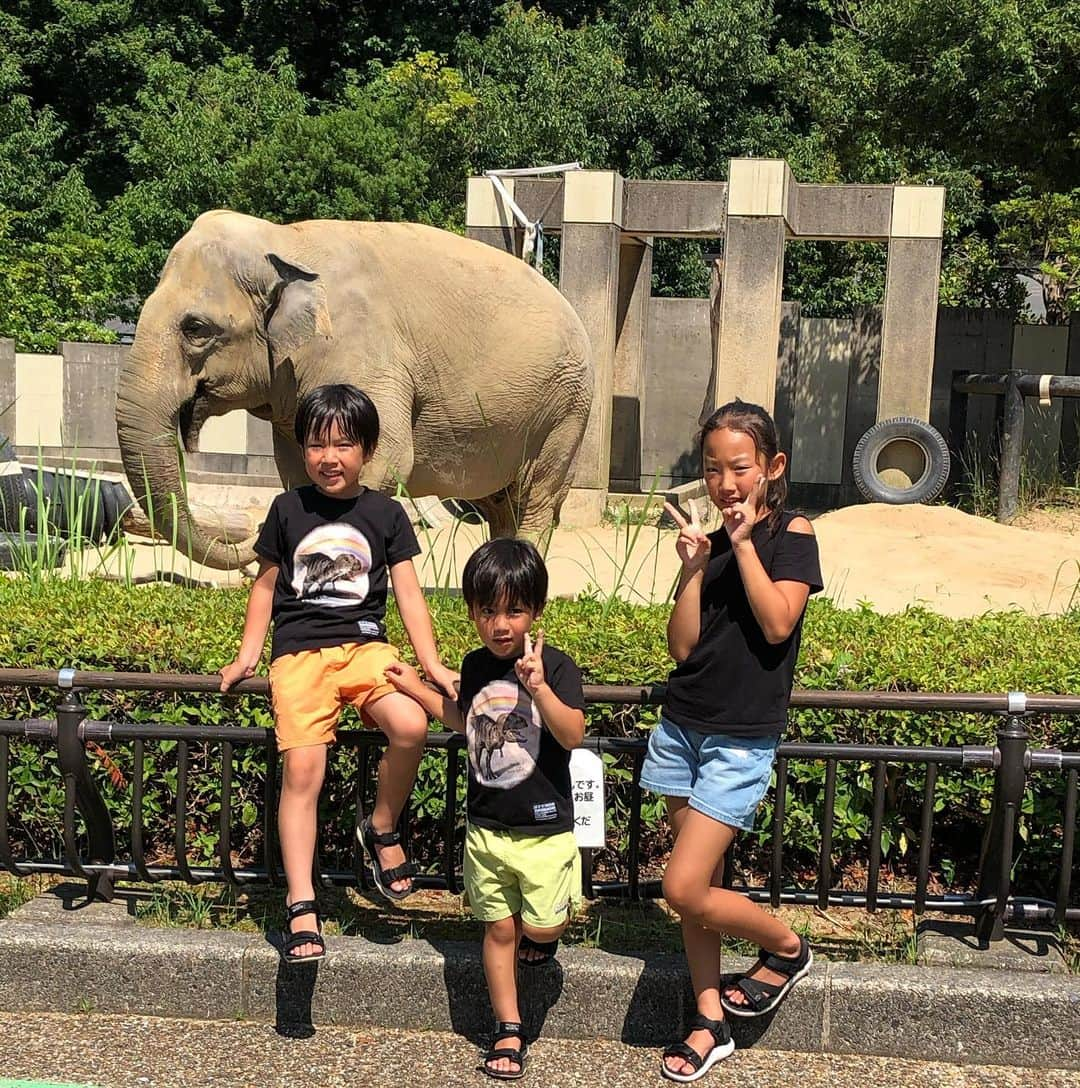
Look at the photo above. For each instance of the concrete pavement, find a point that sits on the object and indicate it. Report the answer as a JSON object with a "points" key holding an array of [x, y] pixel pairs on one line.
{"points": [[145, 1052]]}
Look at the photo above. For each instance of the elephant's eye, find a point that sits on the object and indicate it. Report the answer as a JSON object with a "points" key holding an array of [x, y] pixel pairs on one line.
{"points": [[198, 329]]}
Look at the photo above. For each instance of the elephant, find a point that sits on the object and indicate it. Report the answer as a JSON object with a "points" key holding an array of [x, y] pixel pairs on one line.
{"points": [[480, 370]]}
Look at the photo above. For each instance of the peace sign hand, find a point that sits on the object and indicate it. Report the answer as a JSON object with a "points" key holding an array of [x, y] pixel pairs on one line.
{"points": [[740, 518], [530, 666], [693, 547]]}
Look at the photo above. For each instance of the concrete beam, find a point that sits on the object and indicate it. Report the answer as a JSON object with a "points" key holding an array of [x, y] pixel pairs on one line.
{"points": [[842, 212], [675, 209]]}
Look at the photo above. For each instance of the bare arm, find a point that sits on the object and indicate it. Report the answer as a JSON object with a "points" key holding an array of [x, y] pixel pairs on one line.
{"points": [[693, 548], [777, 606], [256, 624], [417, 620], [406, 679], [565, 723]]}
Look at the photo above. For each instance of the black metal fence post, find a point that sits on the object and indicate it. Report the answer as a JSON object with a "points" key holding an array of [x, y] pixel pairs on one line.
{"points": [[81, 793], [1012, 443], [996, 855]]}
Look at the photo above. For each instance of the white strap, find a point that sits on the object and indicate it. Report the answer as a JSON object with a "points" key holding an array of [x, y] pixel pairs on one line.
{"points": [[1044, 390], [532, 246]]}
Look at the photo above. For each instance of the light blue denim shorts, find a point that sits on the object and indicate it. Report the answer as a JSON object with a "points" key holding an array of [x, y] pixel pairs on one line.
{"points": [[724, 777]]}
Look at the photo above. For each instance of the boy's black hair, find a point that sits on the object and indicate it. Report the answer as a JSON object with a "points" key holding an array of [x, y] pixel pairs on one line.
{"points": [[345, 405], [505, 569]]}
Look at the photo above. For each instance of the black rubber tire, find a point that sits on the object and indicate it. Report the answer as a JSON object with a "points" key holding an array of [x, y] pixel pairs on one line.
{"points": [[14, 496], [864, 462]]}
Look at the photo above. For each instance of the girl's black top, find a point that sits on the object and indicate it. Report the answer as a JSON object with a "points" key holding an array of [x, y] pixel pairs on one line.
{"points": [[734, 681]]}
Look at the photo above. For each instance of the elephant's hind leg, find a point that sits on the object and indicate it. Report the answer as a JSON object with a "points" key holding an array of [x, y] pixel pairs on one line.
{"points": [[538, 493]]}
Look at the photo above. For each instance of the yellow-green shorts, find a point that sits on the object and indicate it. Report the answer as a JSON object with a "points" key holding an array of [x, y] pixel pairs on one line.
{"points": [[512, 872]]}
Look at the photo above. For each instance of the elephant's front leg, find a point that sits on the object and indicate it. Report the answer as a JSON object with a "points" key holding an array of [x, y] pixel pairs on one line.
{"points": [[392, 464]]}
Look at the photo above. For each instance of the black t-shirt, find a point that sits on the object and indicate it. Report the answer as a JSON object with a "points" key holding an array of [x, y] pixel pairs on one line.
{"points": [[332, 557], [734, 681], [519, 774]]}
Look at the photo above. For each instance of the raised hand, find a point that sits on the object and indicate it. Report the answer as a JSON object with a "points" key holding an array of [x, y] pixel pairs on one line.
{"points": [[693, 546], [530, 666], [740, 518]]}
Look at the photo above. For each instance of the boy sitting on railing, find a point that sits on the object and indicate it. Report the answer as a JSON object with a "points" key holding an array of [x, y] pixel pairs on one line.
{"points": [[325, 552], [521, 708]]}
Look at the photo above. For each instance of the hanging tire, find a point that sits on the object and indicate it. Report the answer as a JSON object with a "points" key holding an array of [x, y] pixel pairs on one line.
{"points": [[900, 461]]}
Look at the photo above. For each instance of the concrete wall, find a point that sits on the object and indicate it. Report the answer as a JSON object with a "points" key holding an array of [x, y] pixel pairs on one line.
{"points": [[64, 406]]}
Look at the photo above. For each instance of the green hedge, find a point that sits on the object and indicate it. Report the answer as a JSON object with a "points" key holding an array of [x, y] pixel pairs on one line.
{"points": [[100, 625]]}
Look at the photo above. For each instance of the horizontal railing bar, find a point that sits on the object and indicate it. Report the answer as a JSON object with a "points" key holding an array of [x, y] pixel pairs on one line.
{"points": [[1020, 908], [643, 694], [977, 756], [1027, 384]]}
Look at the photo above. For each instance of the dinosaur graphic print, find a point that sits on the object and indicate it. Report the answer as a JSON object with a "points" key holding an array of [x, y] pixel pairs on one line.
{"points": [[331, 565], [502, 729]]}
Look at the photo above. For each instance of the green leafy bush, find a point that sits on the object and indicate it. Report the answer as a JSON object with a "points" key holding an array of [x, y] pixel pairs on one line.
{"points": [[98, 625]]}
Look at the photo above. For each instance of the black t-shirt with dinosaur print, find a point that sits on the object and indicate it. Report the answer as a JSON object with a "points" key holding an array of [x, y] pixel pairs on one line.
{"points": [[519, 774], [333, 556]]}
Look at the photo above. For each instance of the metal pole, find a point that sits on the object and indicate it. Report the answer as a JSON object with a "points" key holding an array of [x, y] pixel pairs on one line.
{"points": [[82, 794], [996, 855], [1012, 441]]}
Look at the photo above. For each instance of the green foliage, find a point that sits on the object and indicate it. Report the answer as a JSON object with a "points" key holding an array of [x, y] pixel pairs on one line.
{"points": [[98, 625], [161, 111]]}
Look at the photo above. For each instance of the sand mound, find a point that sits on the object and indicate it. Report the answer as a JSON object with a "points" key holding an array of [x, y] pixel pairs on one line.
{"points": [[949, 561]]}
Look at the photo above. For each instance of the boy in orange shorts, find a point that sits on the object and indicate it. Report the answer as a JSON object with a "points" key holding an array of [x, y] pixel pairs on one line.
{"points": [[326, 552]]}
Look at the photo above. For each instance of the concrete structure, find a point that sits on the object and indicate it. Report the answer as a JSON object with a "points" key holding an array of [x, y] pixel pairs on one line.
{"points": [[758, 209]]}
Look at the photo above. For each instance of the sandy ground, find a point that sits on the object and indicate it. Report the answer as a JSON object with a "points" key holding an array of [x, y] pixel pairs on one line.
{"points": [[890, 556]]}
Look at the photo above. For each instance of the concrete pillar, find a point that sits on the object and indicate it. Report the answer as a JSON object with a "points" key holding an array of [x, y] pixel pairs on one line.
{"points": [[589, 279], [8, 404], [628, 380], [759, 191], [487, 218], [911, 302]]}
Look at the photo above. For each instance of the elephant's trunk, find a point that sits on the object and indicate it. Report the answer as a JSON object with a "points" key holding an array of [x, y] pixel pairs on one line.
{"points": [[147, 413]]}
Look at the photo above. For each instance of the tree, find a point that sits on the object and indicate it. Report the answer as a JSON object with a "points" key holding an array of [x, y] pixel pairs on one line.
{"points": [[1043, 235]]}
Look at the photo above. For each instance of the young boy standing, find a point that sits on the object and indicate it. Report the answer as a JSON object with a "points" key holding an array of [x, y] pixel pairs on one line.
{"points": [[325, 553], [521, 708]]}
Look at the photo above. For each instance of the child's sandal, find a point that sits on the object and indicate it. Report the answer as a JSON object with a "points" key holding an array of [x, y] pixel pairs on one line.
{"points": [[506, 1030], [292, 941], [763, 997], [369, 839], [546, 950], [722, 1048]]}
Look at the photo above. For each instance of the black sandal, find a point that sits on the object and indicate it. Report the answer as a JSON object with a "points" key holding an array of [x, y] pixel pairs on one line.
{"points": [[369, 839], [506, 1029], [722, 1048], [546, 948], [763, 997], [291, 941]]}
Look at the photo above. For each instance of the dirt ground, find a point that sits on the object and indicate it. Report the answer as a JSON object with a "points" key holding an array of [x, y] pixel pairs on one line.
{"points": [[891, 556]]}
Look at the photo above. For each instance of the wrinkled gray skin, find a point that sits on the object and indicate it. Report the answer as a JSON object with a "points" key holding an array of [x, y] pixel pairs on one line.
{"points": [[479, 368]]}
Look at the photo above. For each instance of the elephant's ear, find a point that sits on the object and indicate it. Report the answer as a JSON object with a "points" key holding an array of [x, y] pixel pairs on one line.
{"points": [[296, 310]]}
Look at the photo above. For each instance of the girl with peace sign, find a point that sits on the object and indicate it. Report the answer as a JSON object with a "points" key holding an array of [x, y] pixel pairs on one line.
{"points": [[734, 633]]}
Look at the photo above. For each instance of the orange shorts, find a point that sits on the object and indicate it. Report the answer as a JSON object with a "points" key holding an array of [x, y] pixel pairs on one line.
{"points": [[309, 688]]}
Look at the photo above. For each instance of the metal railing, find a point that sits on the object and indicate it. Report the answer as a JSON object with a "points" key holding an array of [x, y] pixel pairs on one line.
{"points": [[1013, 387], [91, 854]]}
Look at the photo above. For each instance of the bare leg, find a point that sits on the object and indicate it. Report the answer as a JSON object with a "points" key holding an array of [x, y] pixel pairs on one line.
{"points": [[405, 724], [541, 936], [302, 779], [690, 887], [500, 969]]}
